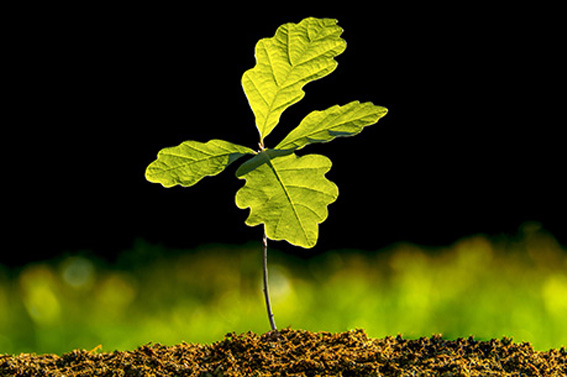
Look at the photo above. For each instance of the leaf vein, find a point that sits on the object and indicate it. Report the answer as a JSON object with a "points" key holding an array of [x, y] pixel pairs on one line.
{"points": [[271, 65], [251, 79], [288, 196], [312, 189]]}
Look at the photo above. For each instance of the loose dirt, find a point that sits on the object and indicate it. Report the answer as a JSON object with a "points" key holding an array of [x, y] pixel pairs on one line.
{"points": [[302, 353]]}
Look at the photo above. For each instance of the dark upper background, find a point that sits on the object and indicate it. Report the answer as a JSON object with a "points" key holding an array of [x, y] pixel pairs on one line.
{"points": [[471, 143]]}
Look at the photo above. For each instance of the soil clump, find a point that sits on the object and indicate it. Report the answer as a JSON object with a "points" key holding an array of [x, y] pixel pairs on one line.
{"points": [[302, 353]]}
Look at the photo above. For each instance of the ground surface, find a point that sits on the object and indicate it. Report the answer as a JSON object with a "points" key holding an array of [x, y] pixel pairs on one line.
{"points": [[302, 353]]}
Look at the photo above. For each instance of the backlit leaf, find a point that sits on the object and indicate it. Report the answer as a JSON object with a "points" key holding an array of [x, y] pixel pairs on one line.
{"points": [[322, 126], [286, 193], [296, 55], [289, 195], [191, 161]]}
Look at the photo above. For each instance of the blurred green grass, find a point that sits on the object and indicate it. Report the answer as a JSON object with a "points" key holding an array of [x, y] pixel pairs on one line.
{"points": [[485, 287]]}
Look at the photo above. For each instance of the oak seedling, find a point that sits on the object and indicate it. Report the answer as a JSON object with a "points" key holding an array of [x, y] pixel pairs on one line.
{"points": [[287, 193]]}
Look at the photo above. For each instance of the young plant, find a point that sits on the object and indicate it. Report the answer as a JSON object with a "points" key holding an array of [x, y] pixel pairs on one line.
{"points": [[287, 193]]}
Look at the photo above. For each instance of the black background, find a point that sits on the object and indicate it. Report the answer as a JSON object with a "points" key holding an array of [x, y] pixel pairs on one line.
{"points": [[472, 142]]}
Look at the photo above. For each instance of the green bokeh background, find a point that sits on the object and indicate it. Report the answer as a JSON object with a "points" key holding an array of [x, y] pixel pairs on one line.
{"points": [[513, 286]]}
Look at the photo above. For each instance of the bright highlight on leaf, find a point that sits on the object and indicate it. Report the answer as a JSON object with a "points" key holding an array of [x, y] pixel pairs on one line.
{"points": [[290, 196], [286, 193], [296, 55], [189, 162]]}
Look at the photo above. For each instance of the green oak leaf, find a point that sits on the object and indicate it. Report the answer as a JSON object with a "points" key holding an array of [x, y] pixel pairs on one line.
{"points": [[189, 162], [289, 195], [296, 55], [323, 126], [286, 193]]}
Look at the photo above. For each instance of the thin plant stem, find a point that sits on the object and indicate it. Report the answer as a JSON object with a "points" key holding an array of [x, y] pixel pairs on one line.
{"points": [[266, 290]]}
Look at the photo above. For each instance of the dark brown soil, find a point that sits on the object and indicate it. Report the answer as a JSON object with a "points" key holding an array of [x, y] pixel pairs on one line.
{"points": [[302, 353]]}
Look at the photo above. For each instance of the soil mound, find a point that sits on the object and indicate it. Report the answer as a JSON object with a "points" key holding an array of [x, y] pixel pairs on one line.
{"points": [[302, 353]]}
